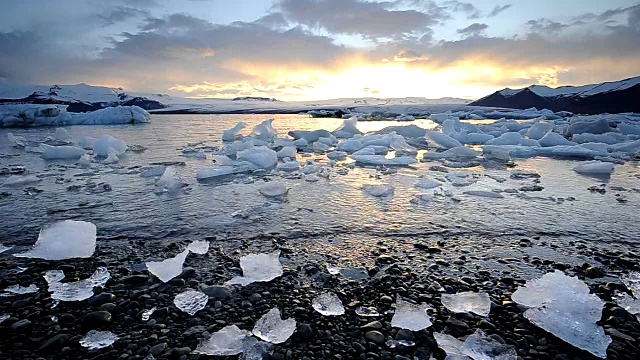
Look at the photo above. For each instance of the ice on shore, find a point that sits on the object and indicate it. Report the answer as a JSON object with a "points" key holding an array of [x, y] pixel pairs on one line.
{"points": [[64, 240], [273, 189], [78, 290], [95, 340], [328, 304], [481, 347], [230, 340], [261, 156], [232, 134], [563, 306], [258, 268], [410, 316], [630, 303], [20, 180], [107, 144], [465, 302], [366, 311], [18, 289], [199, 247], [258, 351], [147, 314], [594, 168], [191, 301], [377, 190], [167, 269], [272, 328], [64, 152], [632, 282]]}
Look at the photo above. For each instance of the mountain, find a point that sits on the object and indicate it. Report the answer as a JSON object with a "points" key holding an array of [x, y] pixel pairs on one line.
{"points": [[608, 97], [78, 98]]}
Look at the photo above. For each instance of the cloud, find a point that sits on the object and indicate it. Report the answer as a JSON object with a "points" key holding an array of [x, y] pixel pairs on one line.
{"points": [[498, 9], [474, 29], [472, 11], [545, 26], [122, 13]]}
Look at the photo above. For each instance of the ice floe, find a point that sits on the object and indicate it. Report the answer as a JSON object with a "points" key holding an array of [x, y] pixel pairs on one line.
{"points": [[563, 306], [427, 184], [20, 180], [77, 290], [328, 304], [594, 168], [191, 301], [258, 268], [64, 152], [95, 339], [229, 340], [64, 240], [463, 302], [272, 328], [410, 316]]}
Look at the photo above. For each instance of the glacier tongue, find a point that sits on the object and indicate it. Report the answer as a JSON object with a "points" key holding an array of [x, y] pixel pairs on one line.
{"points": [[563, 306], [78, 290], [191, 301], [478, 303], [64, 240], [229, 340], [328, 304], [98, 339], [411, 316], [271, 328], [258, 268]]}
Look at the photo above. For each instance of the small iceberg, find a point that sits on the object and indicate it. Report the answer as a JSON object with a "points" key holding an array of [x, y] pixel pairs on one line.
{"points": [[191, 301], [78, 290], [62, 152], [465, 302], [108, 144], [378, 190], [271, 328], [273, 189], [232, 134], [64, 240], [411, 316], [95, 340], [328, 304], [264, 131], [169, 182], [595, 168], [261, 156], [258, 268], [228, 341]]}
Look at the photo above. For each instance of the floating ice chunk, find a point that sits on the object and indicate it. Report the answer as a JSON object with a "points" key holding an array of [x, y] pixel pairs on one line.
{"points": [[474, 138], [98, 339], [311, 178], [397, 143], [328, 304], [350, 146], [594, 168], [289, 166], [422, 199], [87, 142], [17, 289], [538, 130], [169, 181], [264, 131], [554, 139], [337, 155], [270, 327], [378, 190], [273, 189], [157, 170], [111, 115], [301, 143], [628, 129], [483, 193], [442, 140], [199, 247], [329, 141], [64, 240], [563, 306], [477, 303], [84, 161], [112, 158], [599, 126], [108, 144], [460, 179], [348, 128], [319, 147], [260, 156], [258, 268], [62, 134], [512, 138], [411, 316], [229, 340], [222, 171], [629, 147], [166, 270], [381, 160], [367, 311], [450, 345], [16, 141], [19, 180], [481, 347], [310, 136], [455, 153], [232, 134], [288, 152], [191, 301], [147, 314], [61, 152], [4, 248], [427, 184], [78, 290]]}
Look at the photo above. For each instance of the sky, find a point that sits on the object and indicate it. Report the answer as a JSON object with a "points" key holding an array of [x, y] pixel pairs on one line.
{"points": [[319, 49]]}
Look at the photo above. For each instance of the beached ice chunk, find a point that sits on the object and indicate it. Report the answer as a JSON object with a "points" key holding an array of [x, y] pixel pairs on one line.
{"points": [[258, 268], [108, 144], [64, 240], [4, 317], [273, 189], [328, 304], [199, 247], [477, 303], [232, 134], [261, 156], [230, 340], [427, 184], [98, 339], [632, 282], [19, 180], [629, 303], [147, 314], [563, 306], [270, 327], [191, 301], [62, 152], [450, 345], [367, 311], [410, 316], [378, 190], [594, 168], [17, 289], [264, 131], [78, 290], [259, 351], [166, 270], [481, 347]]}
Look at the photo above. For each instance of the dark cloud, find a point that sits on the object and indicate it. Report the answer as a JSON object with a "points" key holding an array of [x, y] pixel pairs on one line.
{"points": [[545, 26], [474, 29]]}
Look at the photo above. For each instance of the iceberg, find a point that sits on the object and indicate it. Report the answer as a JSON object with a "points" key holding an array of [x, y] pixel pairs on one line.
{"points": [[273, 189], [230, 340], [350, 146], [258, 268], [95, 340], [64, 240], [594, 168], [78, 290], [191, 301], [62, 152], [378, 190], [232, 134], [563, 306], [261, 156], [34, 115], [328, 304], [166, 270], [512, 138], [264, 131], [464, 302], [111, 115], [20, 180], [271, 328], [398, 143], [410, 316], [538, 130]]}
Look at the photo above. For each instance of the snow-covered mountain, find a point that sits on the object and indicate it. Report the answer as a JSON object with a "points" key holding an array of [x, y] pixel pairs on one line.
{"points": [[611, 97]]}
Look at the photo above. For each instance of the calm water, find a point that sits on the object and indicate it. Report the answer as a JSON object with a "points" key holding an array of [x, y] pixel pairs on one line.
{"points": [[330, 210]]}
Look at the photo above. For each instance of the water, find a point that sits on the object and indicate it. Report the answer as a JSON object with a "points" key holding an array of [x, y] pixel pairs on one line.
{"points": [[334, 215]]}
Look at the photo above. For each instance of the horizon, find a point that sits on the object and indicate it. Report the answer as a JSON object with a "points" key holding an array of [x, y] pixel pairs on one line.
{"points": [[314, 50]]}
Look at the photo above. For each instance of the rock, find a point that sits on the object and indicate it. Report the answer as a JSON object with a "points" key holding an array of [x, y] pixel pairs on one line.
{"points": [[20, 325], [157, 349], [406, 335], [102, 298], [305, 332], [136, 279], [217, 292], [96, 319], [375, 336], [19, 304], [372, 325], [594, 272], [54, 343]]}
